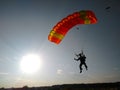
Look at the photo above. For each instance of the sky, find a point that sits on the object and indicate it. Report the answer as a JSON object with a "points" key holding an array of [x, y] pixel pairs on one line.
{"points": [[25, 26]]}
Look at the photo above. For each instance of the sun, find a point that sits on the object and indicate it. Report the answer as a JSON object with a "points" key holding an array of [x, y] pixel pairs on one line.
{"points": [[30, 63]]}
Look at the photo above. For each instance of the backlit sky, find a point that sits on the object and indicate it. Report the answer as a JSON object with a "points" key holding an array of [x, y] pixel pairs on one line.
{"points": [[24, 28]]}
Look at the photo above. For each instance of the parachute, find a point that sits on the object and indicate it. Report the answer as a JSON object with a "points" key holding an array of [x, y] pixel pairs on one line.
{"points": [[61, 28]]}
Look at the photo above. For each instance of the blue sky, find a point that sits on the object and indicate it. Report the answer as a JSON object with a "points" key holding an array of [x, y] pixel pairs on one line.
{"points": [[24, 28]]}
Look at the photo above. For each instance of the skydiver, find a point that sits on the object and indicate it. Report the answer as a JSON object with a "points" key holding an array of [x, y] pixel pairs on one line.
{"points": [[82, 59], [107, 8], [77, 28]]}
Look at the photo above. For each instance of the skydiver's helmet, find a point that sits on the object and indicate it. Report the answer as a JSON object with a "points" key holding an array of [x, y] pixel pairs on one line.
{"points": [[81, 54]]}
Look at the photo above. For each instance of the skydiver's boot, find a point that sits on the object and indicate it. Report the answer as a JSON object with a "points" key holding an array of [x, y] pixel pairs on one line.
{"points": [[81, 69]]}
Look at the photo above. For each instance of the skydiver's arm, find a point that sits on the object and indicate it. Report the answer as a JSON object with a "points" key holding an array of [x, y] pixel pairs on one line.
{"points": [[76, 59], [77, 55]]}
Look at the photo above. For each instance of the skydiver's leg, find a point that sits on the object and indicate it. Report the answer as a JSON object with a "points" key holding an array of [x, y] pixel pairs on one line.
{"points": [[80, 67], [86, 66]]}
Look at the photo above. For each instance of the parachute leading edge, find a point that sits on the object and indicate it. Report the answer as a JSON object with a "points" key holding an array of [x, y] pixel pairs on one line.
{"points": [[61, 28]]}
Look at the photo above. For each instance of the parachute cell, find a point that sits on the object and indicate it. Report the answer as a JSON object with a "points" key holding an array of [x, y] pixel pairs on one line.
{"points": [[61, 28]]}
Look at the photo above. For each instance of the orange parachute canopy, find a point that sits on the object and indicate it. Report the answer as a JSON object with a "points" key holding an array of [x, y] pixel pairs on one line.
{"points": [[61, 28]]}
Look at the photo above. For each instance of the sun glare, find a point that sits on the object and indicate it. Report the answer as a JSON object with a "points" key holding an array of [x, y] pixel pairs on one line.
{"points": [[30, 63]]}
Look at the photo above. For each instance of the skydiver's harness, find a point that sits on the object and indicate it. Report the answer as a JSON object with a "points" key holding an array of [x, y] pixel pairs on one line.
{"points": [[81, 58]]}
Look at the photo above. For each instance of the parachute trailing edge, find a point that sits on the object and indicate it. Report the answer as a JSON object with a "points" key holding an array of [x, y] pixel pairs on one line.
{"points": [[61, 28]]}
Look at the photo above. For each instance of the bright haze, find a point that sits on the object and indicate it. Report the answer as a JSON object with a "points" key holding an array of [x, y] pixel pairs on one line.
{"points": [[24, 29]]}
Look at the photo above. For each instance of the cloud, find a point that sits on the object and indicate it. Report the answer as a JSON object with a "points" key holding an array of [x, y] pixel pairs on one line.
{"points": [[59, 71], [3, 73], [116, 69]]}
